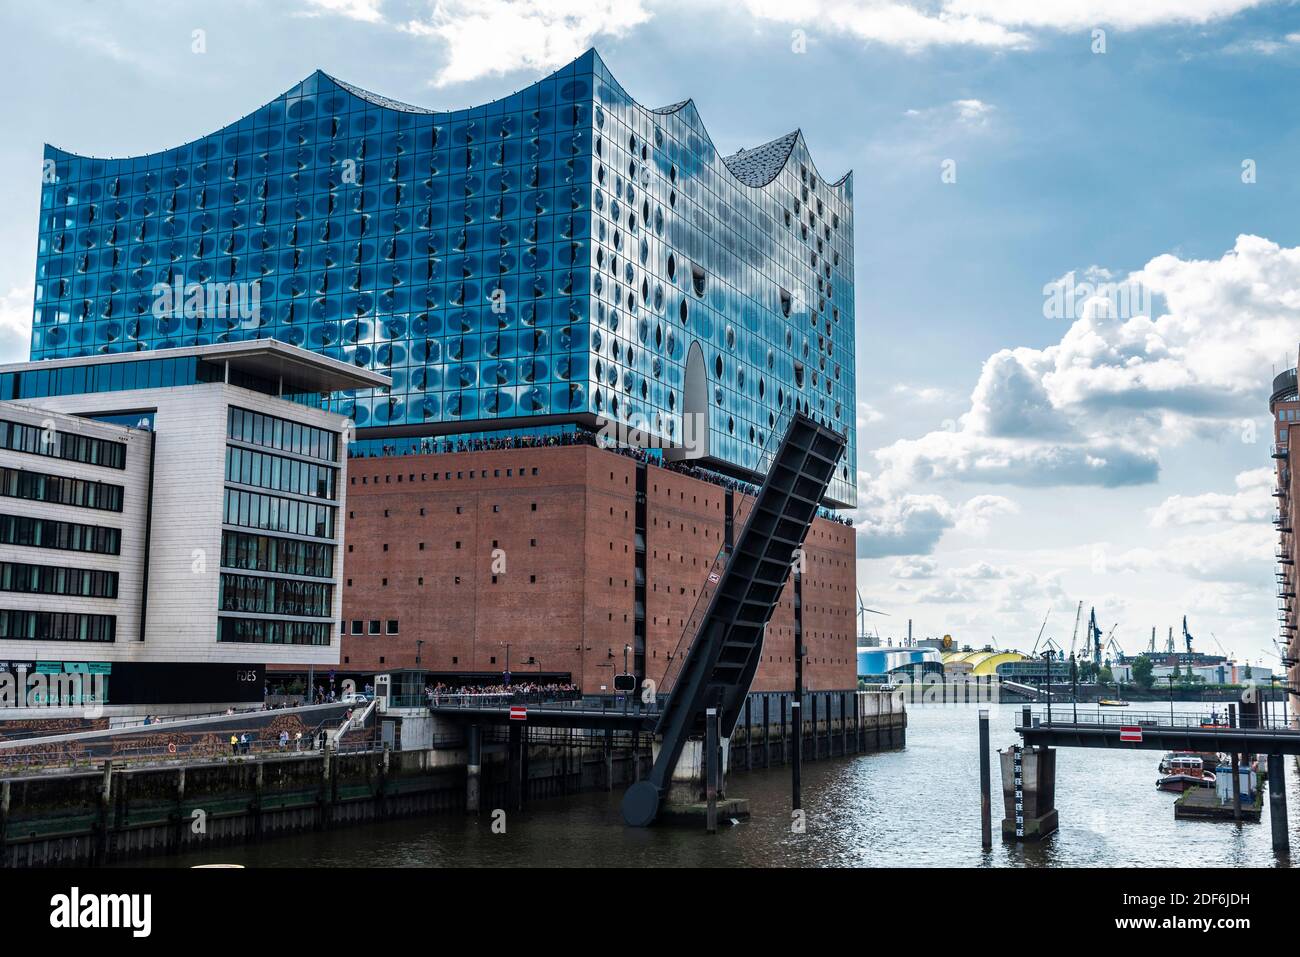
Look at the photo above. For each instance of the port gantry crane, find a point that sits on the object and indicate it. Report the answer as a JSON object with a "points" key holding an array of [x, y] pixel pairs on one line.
{"points": [[1111, 643], [1040, 632], [1075, 637], [1093, 649]]}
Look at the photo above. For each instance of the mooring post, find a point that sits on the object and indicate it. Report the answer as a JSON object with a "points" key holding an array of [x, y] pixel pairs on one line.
{"points": [[796, 763], [473, 769], [986, 784], [609, 759], [1277, 803], [1236, 768], [749, 732], [4, 819], [514, 753], [711, 768], [785, 750], [105, 811], [767, 729]]}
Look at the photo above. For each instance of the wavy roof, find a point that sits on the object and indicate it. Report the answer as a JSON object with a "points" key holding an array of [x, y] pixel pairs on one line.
{"points": [[761, 165], [752, 167]]}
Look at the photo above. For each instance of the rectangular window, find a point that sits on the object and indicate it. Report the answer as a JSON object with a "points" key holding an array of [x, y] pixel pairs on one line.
{"points": [[264, 632], [51, 533], [56, 626], [54, 580], [32, 439], [257, 428], [392, 626], [59, 489], [275, 514], [374, 626], [275, 596]]}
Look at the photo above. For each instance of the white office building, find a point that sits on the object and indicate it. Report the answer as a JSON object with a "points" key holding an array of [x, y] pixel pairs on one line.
{"points": [[171, 522]]}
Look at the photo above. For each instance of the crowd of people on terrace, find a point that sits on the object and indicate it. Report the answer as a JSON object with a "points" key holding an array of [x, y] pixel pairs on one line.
{"points": [[551, 689]]}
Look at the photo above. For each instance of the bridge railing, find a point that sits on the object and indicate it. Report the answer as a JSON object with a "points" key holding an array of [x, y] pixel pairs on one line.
{"points": [[1209, 720]]}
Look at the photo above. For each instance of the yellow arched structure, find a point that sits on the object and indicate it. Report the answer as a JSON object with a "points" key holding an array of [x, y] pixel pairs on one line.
{"points": [[979, 663]]}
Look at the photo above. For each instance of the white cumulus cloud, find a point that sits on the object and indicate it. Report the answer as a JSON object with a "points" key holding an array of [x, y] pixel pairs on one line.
{"points": [[1252, 502], [1094, 408], [490, 37]]}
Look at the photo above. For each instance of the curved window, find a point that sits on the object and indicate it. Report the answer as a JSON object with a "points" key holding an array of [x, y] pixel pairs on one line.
{"points": [[698, 276]]}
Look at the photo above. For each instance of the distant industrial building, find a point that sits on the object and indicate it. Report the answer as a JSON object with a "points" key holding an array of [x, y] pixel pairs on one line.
{"points": [[877, 664]]}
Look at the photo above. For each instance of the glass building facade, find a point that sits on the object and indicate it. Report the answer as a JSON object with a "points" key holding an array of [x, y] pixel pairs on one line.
{"points": [[562, 255]]}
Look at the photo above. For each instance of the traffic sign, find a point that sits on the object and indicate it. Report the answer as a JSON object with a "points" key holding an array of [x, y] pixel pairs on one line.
{"points": [[1130, 732], [625, 682], [518, 713]]}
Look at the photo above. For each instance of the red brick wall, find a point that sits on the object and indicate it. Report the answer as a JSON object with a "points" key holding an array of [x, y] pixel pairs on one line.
{"points": [[566, 595]]}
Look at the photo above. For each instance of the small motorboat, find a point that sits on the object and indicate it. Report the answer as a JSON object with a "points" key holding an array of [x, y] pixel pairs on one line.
{"points": [[1185, 773], [1209, 759], [1112, 703]]}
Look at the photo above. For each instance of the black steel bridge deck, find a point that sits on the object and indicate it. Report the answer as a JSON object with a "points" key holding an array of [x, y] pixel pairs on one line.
{"points": [[1160, 732]]}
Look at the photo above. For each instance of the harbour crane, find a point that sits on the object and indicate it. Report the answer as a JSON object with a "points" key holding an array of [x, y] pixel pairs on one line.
{"points": [[1220, 644], [1040, 632], [1075, 637], [1112, 644], [1187, 635], [1152, 648], [1169, 645], [1093, 642]]}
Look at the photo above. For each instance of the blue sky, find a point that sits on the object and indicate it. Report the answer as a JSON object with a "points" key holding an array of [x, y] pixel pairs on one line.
{"points": [[1008, 462]]}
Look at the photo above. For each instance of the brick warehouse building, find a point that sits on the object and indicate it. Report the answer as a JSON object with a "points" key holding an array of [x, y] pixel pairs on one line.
{"points": [[546, 264], [419, 570]]}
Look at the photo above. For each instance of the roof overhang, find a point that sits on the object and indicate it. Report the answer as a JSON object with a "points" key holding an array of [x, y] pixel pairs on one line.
{"points": [[297, 369]]}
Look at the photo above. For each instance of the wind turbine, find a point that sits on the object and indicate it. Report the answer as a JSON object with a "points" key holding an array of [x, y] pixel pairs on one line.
{"points": [[862, 613]]}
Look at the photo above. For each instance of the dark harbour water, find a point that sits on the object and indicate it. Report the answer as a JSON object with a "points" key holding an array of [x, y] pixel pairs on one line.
{"points": [[913, 808]]}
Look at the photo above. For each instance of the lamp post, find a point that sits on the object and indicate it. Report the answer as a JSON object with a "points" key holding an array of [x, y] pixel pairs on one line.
{"points": [[1170, 676]]}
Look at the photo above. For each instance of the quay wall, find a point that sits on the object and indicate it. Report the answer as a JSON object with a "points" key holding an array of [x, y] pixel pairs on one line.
{"points": [[114, 812]]}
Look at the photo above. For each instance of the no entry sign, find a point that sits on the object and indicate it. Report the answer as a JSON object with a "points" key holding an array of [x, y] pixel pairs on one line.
{"points": [[518, 713], [1130, 732]]}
